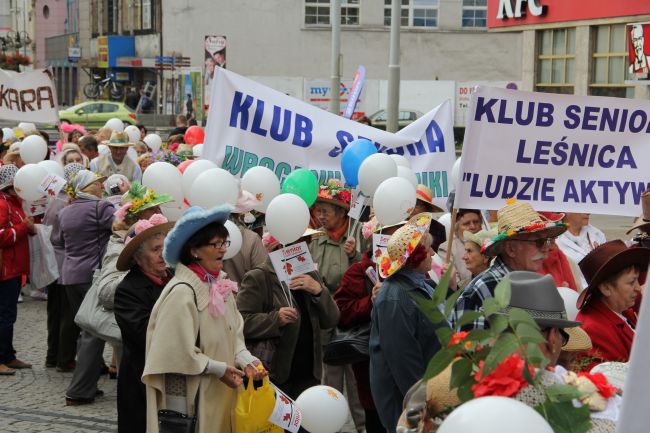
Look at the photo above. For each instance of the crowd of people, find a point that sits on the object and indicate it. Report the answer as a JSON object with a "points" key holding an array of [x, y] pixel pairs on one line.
{"points": [[193, 324]]}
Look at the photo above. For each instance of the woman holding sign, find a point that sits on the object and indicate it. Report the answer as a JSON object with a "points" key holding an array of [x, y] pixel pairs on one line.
{"points": [[282, 325]]}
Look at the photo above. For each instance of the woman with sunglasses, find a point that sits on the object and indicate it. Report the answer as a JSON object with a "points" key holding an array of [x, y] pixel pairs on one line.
{"points": [[196, 356]]}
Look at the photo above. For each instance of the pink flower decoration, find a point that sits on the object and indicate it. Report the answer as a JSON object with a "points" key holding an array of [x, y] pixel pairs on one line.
{"points": [[268, 239], [157, 219], [246, 201], [367, 229], [219, 291], [120, 214]]}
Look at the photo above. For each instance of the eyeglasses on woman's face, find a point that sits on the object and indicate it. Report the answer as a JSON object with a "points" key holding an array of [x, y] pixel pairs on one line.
{"points": [[219, 244]]}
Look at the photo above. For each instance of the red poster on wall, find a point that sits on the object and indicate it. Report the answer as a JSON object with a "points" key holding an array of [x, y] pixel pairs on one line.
{"points": [[638, 36]]}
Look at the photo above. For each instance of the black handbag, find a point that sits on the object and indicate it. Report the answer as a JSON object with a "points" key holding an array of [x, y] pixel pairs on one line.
{"points": [[171, 421], [264, 349], [348, 346]]}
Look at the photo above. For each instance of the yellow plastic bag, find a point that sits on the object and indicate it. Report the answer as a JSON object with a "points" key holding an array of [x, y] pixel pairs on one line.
{"points": [[254, 407]]}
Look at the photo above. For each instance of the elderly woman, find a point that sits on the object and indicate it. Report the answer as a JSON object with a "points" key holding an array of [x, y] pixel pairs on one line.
{"points": [[293, 315], [579, 239], [195, 343], [475, 261], [140, 148], [467, 220], [83, 232], [402, 339], [71, 155], [606, 305], [14, 263], [134, 299]]}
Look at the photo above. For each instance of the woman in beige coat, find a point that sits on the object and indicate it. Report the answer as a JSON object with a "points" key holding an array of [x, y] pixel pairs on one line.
{"points": [[195, 341]]}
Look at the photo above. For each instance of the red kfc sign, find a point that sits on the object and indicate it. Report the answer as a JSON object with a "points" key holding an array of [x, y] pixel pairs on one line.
{"points": [[511, 13], [638, 36]]}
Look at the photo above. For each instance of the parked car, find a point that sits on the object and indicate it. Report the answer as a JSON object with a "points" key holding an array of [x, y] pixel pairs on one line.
{"points": [[404, 118], [94, 114]]}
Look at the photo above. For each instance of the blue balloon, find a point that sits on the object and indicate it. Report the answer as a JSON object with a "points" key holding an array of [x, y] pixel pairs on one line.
{"points": [[353, 155]]}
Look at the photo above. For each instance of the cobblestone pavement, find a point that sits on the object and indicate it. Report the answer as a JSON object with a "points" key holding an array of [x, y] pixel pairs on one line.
{"points": [[34, 400]]}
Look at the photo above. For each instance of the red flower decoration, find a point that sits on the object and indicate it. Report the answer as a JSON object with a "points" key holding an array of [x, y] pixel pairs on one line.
{"points": [[599, 379], [458, 337], [506, 380], [345, 196]]}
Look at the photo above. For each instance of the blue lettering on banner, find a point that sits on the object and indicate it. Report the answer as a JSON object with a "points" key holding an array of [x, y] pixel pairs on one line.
{"points": [[542, 112], [240, 116], [581, 155], [606, 119]]}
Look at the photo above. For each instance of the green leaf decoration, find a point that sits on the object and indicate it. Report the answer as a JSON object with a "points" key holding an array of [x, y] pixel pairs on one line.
{"points": [[526, 373], [502, 293], [498, 324], [440, 293], [468, 317], [444, 336], [527, 334], [564, 418], [535, 356], [450, 303], [430, 309], [560, 393], [461, 372], [490, 307], [505, 345], [439, 362], [478, 335], [465, 392], [517, 316]]}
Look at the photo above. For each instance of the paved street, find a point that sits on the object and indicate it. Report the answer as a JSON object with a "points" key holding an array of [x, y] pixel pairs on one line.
{"points": [[34, 400]]}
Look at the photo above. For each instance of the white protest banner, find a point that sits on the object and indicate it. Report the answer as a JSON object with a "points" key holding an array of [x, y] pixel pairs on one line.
{"points": [[291, 261], [558, 152], [28, 96], [250, 124]]}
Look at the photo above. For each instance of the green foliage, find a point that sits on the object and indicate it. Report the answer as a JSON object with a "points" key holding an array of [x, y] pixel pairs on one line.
{"points": [[564, 418], [506, 344], [439, 363], [502, 293], [461, 372]]}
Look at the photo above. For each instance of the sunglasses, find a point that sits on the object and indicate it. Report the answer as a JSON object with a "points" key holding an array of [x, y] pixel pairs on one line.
{"points": [[539, 243]]}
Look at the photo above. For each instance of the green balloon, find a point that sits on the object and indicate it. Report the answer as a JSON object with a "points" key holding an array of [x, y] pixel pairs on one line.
{"points": [[302, 183]]}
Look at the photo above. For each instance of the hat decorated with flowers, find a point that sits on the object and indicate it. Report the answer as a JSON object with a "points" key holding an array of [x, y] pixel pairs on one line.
{"points": [[139, 198], [518, 218], [142, 230], [402, 244], [335, 193]]}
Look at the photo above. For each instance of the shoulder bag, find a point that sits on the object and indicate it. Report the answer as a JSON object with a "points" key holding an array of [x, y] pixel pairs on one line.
{"points": [[264, 349], [171, 421]]}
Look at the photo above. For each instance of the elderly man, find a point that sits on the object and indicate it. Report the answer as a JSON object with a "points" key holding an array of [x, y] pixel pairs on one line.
{"points": [[467, 220], [117, 162], [522, 244], [334, 253]]}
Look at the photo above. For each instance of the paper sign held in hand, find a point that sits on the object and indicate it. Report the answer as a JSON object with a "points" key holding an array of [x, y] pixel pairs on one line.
{"points": [[291, 261], [358, 206], [379, 245], [285, 413], [51, 185]]}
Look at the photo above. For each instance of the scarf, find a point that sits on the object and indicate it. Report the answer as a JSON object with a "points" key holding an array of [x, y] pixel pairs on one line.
{"points": [[156, 279], [557, 265], [220, 287], [338, 233]]}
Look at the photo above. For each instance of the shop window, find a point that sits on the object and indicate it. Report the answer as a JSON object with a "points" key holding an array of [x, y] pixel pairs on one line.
{"points": [[415, 13], [556, 60], [610, 62], [474, 13], [317, 12]]}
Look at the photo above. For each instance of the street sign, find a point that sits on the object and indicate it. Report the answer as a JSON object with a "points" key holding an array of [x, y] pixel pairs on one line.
{"points": [[74, 54]]}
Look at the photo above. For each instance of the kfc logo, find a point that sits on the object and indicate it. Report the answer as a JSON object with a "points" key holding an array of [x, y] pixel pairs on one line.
{"points": [[518, 10], [639, 37]]}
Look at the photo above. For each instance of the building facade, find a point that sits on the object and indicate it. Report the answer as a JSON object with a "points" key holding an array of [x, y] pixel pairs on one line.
{"points": [[576, 47]]}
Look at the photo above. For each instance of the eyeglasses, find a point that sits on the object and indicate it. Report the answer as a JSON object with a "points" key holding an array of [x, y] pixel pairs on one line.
{"points": [[219, 245], [539, 243]]}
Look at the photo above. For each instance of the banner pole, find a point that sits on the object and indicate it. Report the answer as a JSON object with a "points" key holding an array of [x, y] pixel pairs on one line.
{"points": [[450, 239]]}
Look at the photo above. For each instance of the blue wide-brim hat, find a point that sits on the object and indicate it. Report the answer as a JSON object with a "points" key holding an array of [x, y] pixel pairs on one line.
{"points": [[192, 220]]}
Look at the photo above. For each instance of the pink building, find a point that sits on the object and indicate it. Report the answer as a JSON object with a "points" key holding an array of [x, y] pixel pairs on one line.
{"points": [[50, 21]]}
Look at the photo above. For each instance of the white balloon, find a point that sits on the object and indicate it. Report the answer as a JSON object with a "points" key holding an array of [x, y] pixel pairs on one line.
{"points": [[407, 173], [27, 127], [133, 132], [374, 170], [263, 184], [8, 134], [323, 408], [287, 217], [153, 141], [455, 175], [131, 153], [494, 415], [234, 235], [400, 160], [171, 213], [115, 124], [445, 220], [193, 171], [212, 188], [27, 179], [33, 149], [570, 298], [52, 167], [197, 150], [164, 178], [394, 200], [103, 149]]}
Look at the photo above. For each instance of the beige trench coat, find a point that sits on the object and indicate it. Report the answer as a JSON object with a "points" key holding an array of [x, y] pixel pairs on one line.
{"points": [[171, 348]]}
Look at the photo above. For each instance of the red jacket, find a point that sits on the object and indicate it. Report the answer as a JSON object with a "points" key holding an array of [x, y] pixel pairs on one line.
{"points": [[610, 336], [13, 238]]}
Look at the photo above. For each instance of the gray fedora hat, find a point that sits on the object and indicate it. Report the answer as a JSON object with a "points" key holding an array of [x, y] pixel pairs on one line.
{"points": [[537, 294]]}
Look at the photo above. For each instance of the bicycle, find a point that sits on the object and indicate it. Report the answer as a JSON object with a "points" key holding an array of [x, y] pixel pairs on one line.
{"points": [[97, 88]]}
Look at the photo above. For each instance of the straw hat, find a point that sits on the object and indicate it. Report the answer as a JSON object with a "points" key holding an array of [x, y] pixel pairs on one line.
{"points": [[118, 139], [480, 237], [425, 195], [579, 340], [644, 224], [439, 396], [518, 218], [142, 230], [333, 192], [402, 243], [606, 260]]}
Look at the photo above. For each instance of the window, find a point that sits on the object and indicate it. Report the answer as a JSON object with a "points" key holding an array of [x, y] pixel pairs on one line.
{"points": [[610, 62], [109, 108], [111, 16], [415, 13], [46, 11], [94, 17], [474, 13], [147, 15], [556, 60], [317, 12]]}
